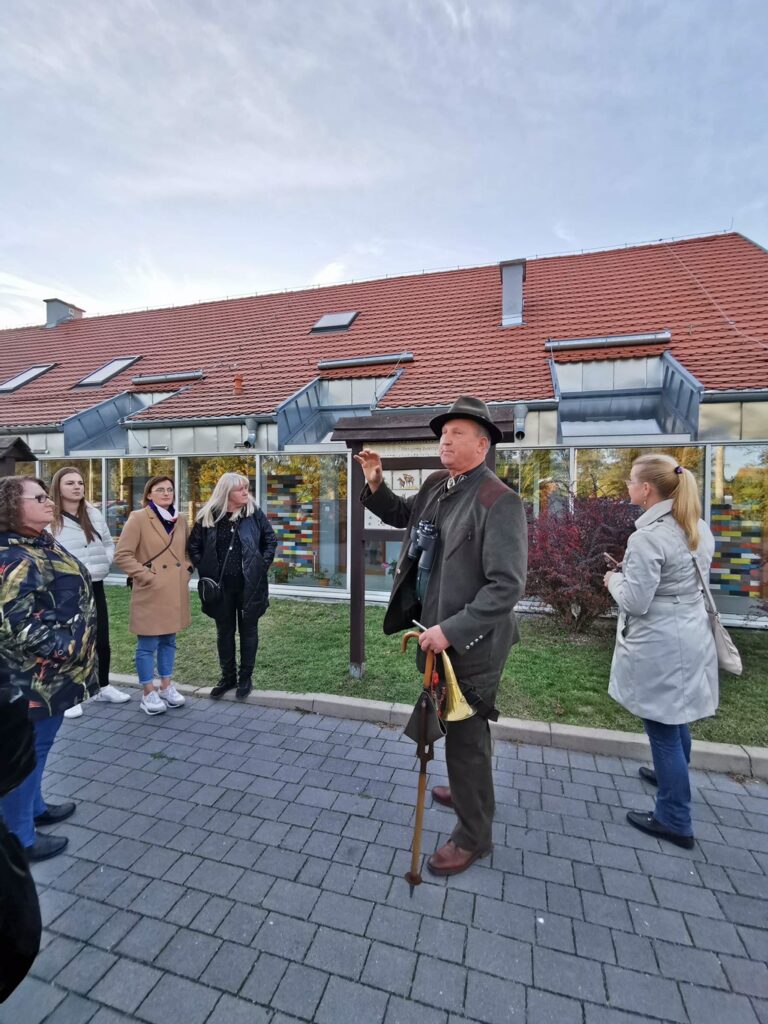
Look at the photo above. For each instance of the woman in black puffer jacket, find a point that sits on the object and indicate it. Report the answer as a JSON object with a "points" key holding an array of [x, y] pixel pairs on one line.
{"points": [[232, 546]]}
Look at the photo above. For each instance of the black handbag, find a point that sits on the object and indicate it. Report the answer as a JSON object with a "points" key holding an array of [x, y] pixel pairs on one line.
{"points": [[208, 589], [148, 563], [17, 739]]}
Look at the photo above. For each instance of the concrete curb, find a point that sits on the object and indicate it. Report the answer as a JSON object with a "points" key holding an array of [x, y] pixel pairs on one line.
{"points": [[714, 757]]}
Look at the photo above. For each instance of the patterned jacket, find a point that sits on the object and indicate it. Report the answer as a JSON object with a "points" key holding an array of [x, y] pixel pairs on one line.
{"points": [[47, 624]]}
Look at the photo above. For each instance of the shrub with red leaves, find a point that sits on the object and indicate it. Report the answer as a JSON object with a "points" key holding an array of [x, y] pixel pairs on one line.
{"points": [[565, 556]]}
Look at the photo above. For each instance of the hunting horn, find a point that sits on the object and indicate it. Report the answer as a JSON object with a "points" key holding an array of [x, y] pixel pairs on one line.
{"points": [[456, 706]]}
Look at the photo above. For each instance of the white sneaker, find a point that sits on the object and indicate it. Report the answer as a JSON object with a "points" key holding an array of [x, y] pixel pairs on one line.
{"points": [[171, 696], [112, 695], [75, 712], [152, 704]]}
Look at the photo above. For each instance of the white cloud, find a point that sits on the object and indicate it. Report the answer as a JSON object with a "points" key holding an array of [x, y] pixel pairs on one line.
{"points": [[334, 272], [22, 300]]}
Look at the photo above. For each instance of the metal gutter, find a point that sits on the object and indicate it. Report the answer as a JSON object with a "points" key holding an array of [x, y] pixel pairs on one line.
{"points": [[712, 397], [337, 364], [609, 341], [167, 378], [200, 421]]}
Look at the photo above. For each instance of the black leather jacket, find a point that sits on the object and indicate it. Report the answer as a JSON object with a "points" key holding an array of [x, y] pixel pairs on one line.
{"points": [[258, 544]]}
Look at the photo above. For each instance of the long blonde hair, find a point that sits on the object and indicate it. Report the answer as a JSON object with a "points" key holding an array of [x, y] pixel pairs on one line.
{"points": [[679, 484], [216, 507]]}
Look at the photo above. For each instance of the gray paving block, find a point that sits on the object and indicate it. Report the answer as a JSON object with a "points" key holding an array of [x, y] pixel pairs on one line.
{"points": [[634, 952], [692, 899], [146, 939], [389, 968], [125, 985], [442, 939], [744, 909], [88, 967], [291, 898], [555, 932], [230, 1010], [526, 892], [493, 1000], [545, 1008], [755, 941], [284, 937], [31, 1002], [241, 923], [230, 966], [720, 936], [177, 999], [343, 912], [608, 1015], [658, 923], [402, 1011], [74, 1009], [54, 957], [81, 920], [390, 924], [565, 900], [263, 980], [594, 942], [708, 1005], [108, 936], [646, 994], [568, 975], [300, 990], [337, 952], [345, 1002], [157, 898], [628, 885], [746, 976], [498, 955], [214, 878], [188, 953], [606, 910], [439, 984]]}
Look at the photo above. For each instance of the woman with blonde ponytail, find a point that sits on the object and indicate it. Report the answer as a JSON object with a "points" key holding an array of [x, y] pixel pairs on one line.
{"points": [[665, 665]]}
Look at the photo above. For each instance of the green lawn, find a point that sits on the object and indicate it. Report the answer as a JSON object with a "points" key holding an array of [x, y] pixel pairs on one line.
{"points": [[550, 676]]}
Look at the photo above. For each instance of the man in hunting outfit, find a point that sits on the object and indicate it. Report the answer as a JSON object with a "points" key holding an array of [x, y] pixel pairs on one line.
{"points": [[473, 530]]}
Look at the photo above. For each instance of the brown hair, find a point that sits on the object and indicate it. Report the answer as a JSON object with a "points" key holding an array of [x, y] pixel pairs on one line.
{"points": [[11, 490], [82, 509], [153, 482], [679, 484]]}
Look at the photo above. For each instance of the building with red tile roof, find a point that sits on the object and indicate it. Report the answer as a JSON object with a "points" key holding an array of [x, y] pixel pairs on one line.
{"points": [[697, 310]]}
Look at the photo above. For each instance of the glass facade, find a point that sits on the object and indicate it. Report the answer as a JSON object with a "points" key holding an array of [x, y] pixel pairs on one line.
{"points": [[125, 485], [601, 472], [739, 521], [305, 497], [90, 470], [198, 477]]}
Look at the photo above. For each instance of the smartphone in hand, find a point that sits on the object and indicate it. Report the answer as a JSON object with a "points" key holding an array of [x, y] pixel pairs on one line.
{"points": [[610, 561]]}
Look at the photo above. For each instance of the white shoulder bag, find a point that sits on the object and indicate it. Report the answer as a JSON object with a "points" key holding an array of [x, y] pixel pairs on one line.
{"points": [[728, 657]]}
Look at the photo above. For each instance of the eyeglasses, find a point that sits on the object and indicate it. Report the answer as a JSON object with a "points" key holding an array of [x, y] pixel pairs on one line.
{"points": [[39, 498], [632, 483], [162, 490]]}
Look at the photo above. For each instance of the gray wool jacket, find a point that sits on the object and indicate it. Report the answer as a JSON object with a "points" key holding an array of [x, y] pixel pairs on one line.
{"points": [[479, 570]]}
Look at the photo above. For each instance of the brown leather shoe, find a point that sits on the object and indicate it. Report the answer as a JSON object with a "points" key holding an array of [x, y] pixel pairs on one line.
{"points": [[452, 860], [442, 795]]}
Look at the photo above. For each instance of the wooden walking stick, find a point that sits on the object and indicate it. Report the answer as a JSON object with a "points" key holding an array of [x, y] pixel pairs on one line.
{"points": [[421, 729]]}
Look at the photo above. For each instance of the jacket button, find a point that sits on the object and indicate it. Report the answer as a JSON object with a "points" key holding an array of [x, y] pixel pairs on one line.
{"points": [[178, 564], [165, 566]]}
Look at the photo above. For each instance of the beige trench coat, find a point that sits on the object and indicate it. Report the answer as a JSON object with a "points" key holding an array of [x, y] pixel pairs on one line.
{"points": [[160, 595]]}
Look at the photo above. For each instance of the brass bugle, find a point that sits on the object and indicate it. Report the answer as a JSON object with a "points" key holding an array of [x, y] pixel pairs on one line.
{"points": [[457, 708]]}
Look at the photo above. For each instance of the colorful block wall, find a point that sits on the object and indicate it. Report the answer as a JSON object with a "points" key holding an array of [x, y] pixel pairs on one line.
{"points": [[736, 567]]}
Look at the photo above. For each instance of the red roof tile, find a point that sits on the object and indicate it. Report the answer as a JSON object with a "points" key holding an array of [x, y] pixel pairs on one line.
{"points": [[711, 293]]}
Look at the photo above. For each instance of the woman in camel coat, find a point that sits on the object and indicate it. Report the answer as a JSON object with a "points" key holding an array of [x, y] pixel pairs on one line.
{"points": [[152, 551]]}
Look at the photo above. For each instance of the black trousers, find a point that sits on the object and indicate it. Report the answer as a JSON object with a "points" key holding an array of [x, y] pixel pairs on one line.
{"points": [[228, 620], [103, 650], [468, 753]]}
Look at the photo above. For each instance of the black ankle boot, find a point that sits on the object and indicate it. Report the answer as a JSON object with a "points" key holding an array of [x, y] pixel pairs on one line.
{"points": [[244, 687], [222, 687]]}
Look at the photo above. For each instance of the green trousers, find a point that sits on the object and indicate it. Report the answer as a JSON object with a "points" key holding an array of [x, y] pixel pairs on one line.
{"points": [[468, 750]]}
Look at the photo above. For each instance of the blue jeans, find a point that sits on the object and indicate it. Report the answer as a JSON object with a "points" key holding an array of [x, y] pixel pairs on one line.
{"points": [[146, 646], [671, 752], [22, 805]]}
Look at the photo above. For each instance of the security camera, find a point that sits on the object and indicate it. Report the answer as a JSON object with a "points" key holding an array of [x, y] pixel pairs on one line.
{"points": [[520, 411]]}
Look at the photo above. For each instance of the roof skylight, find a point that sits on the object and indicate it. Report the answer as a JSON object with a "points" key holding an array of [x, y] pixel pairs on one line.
{"points": [[108, 371], [334, 322], [24, 377]]}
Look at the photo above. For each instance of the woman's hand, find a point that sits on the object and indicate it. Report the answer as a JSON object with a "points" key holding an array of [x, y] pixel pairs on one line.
{"points": [[607, 577]]}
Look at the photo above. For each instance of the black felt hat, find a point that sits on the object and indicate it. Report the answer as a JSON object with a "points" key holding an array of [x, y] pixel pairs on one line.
{"points": [[468, 408]]}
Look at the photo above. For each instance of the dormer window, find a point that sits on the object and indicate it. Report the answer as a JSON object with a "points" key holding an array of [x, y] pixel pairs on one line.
{"points": [[108, 371], [24, 377], [334, 322]]}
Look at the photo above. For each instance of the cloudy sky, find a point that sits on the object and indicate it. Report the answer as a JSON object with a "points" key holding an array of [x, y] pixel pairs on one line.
{"points": [[168, 151]]}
